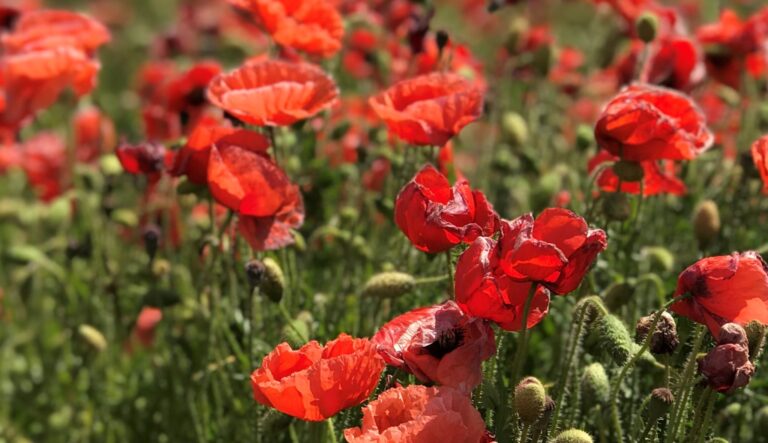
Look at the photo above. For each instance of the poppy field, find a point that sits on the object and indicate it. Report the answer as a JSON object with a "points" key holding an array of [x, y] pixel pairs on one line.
{"points": [[417, 221]]}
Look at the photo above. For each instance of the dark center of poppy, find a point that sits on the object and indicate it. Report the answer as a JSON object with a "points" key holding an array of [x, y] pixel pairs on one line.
{"points": [[446, 342], [196, 97]]}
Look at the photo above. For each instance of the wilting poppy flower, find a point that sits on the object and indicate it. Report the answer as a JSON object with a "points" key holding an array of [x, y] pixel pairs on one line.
{"points": [[645, 122], [146, 324], [556, 249], [436, 216], [438, 344], [724, 289], [419, 414], [760, 157], [483, 290], [316, 382], [657, 179], [249, 182], [429, 109], [273, 93], [50, 29], [192, 159], [727, 366], [311, 26], [147, 158]]}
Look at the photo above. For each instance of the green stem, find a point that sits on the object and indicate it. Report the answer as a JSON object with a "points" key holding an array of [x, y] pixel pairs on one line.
{"points": [[449, 263], [433, 279], [287, 316], [331, 430], [681, 397], [522, 339]]}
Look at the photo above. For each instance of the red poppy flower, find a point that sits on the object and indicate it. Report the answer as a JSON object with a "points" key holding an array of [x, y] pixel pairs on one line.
{"points": [[556, 249], [94, 134], [760, 157], [429, 109], [435, 216], [311, 26], [273, 93], [43, 159], [51, 29], [419, 414], [483, 290], [645, 122], [657, 179], [146, 324], [192, 159], [147, 158], [249, 182], [188, 89], [724, 289], [315, 382], [438, 344]]}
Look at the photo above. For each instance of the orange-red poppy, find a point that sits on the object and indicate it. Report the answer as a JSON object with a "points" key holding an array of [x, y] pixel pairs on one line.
{"points": [[315, 382], [311, 26], [724, 289], [760, 157], [51, 29], [657, 179], [273, 93], [419, 414], [429, 109]]}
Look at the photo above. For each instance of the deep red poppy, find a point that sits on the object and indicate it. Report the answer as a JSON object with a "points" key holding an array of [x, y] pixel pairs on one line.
{"points": [[556, 249], [249, 182], [727, 367], [273, 93], [645, 122], [419, 414], [483, 290], [436, 216], [192, 159], [724, 289], [429, 109], [187, 91], [316, 382], [51, 29], [147, 158], [311, 26], [438, 344], [43, 159], [760, 157], [657, 179], [94, 134]]}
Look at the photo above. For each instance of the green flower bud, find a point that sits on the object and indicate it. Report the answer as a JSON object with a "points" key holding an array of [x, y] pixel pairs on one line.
{"points": [[660, 258], [515, 127], [273, 280], [530, 400], [389, 284], [618, 294], [614, 337], [585, 137], [628, 171], [756, 336], [595, 387], [573, 436], [660, 403], [647, 26], [93, 337], [706, 222]]}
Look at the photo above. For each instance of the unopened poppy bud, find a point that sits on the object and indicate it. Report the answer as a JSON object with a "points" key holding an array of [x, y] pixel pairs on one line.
{"points": [[585, 137], [664, 339], [389, 284], [530, 400], [628, 171], [110, 165], [727, 367], [659, 404], [161, 268], [647, 26], [273, 282], [756, 336], [515, 127], [616, 206], [572, 436], [732, 411], [614, 338], [442, 39], [706, 222], [732, 333], [659, 257], [151, 236], [254, 272], [595, 387], [618, 294], [761, 421], [93, 337]]}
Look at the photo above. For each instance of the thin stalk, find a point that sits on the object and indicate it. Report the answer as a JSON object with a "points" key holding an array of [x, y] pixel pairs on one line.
{"points": [[331, 430], [522, 339], [682, 391]]}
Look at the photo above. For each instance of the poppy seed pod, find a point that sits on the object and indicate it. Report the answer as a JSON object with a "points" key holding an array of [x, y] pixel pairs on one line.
{"points": [[389, 284], [661, 401], [628, 171], [706, 222], [93, 337], [614, 338], [573, 436], [664, 339], [530, 400], [647, 27], [273, 282], [595, 387], [756, 335]]}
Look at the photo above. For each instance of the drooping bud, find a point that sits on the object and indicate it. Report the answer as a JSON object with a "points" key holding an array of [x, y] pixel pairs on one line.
{"points": [[613, 337], [573, 436], [664, 339], [618, 294], [389, 285], [706, 222], [659, 257], [273, 281], [585, 137], [756, 335], [628, 171], [515, 127], [93, 337], [530, 400], [616, 206], [595, 387], [442, 39], [660, 403], [151, 237], [647, 26]]}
